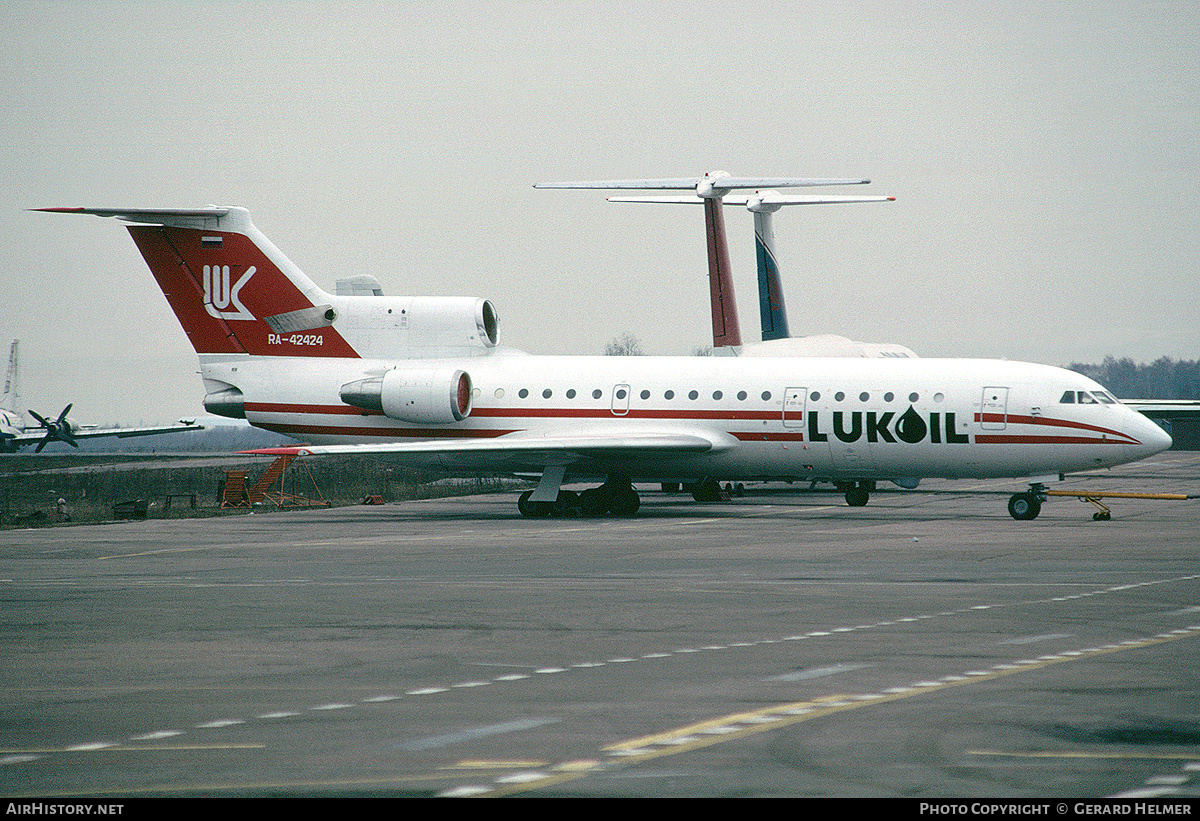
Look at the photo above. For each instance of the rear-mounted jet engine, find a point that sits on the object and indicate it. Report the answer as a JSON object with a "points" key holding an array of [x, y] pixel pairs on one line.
{"points": [[429, 396]]}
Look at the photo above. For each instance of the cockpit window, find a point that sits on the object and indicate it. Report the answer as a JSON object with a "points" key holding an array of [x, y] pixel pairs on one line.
{"points": [[1105, 397], [1086, 398], [1068, 398]]}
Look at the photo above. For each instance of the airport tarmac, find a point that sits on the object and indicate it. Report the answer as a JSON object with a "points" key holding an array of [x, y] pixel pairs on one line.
{"points": [[780, 644]]}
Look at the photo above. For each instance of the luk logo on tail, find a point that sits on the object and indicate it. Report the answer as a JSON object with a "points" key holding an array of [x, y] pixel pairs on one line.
{"points": [[218, 295]]}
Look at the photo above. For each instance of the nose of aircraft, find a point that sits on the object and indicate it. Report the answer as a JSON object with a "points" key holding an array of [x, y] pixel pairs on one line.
{"points": [[1153, 438]]}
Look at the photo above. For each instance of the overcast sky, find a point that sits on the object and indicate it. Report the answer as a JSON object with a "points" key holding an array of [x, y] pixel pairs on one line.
{"points": [[1043, 157]]}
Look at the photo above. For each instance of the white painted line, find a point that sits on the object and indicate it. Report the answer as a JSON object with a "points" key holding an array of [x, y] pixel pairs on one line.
{"points": [[464, 792], [157, 735], [511, 677], [551, 670], [331, 707], [378, 699], [1167, 780], [281, 714], [1147, 792], [221, 722], [467, 684], [521, 778], [426, 691]]}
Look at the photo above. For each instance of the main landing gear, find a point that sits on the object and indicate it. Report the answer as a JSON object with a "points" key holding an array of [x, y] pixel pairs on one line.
{"points": [[857, 493], [616, 496]]}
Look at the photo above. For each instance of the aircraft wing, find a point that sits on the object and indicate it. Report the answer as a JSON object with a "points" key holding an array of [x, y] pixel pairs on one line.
{"points": [[530, 451], [32, 436], [1165, 408]]}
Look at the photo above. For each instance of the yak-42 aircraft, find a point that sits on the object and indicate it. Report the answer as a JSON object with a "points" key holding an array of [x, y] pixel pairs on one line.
{"points": [[423, 380]]}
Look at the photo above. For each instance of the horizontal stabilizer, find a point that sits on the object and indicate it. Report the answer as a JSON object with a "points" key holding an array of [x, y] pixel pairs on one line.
{"points": [[747, 200], [690, 183], [148, 216]]}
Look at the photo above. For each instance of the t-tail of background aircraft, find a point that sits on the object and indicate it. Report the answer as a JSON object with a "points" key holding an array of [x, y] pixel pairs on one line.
{"points": [[424, 381], [715, 188]]}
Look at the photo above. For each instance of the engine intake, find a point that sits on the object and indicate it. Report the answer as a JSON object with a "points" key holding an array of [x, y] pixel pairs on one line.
{"points": [[431, 396]]}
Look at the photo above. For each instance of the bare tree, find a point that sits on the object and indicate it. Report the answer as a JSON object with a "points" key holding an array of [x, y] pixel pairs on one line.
{"points": [[624, 345]]}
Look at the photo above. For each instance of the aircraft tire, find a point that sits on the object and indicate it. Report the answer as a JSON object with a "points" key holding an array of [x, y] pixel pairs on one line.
{"points": [[707, 491], [857, 496], [567, 504], [625, 502], [1024, 506], [532, 510], [594, 502]]}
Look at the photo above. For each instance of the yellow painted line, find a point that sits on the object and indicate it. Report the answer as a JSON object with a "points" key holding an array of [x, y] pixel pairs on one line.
{"points": [[1084, 755], [693, 729], [493, 765], [576, 766], [821, 707]]}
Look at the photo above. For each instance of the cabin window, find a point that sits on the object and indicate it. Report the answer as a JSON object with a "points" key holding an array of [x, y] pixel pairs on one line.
{"points": [[596, 394], [766, 396], [524, 392], [889, 396], [499, 393], [570, 393], [669, 395], [839, 396], [546, 394], [814, 396], [717, 394], [620, 393], [864, 396], [742, 395], [913, 397], [645, 394]]}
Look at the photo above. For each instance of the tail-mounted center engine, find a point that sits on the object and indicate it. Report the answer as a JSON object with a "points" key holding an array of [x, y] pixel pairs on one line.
{"points": [[431, 396]]}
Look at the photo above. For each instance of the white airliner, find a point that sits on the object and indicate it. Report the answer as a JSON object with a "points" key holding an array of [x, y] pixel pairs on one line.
{"points": [[423, 380], [15, 434]]}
